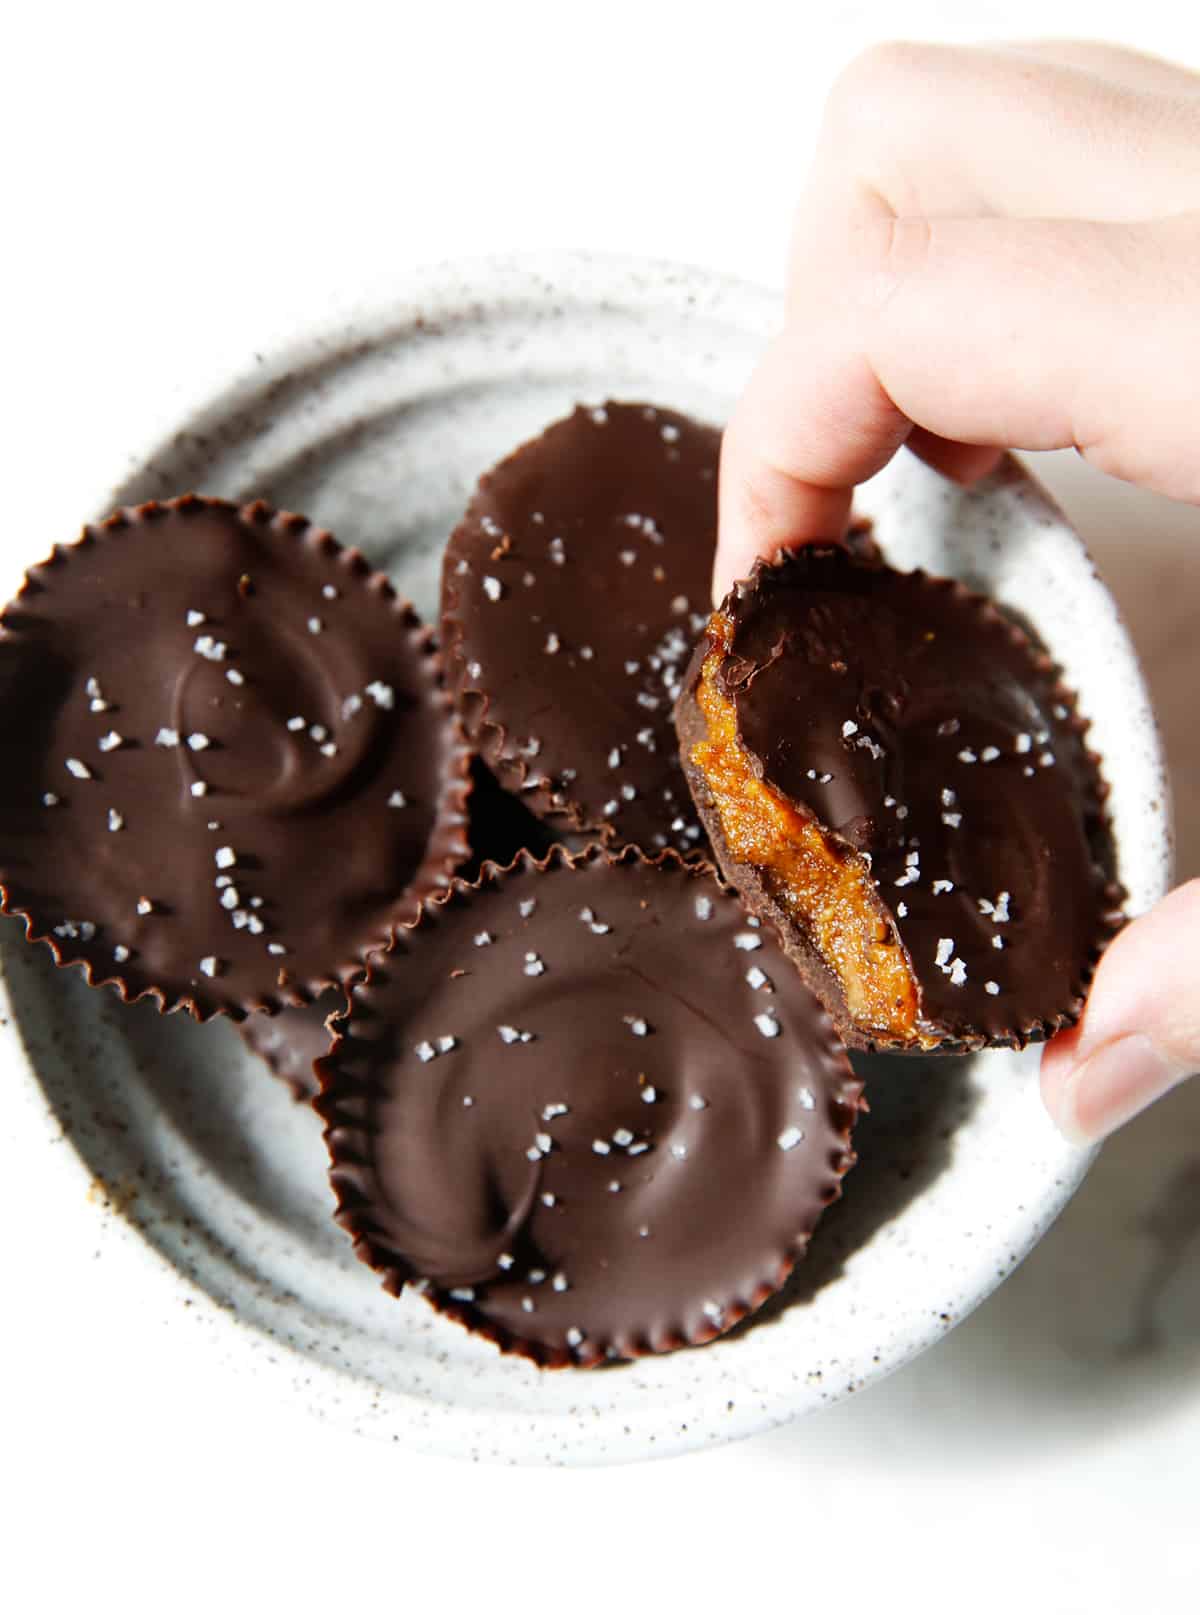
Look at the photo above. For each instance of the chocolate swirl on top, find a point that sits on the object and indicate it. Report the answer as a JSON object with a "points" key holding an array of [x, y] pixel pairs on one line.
{"points": [[928, 738], [229, 767], [574, 1146]]}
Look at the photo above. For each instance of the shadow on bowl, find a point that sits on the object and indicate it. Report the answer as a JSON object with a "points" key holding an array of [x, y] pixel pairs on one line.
{"points": [[904, 1143]]}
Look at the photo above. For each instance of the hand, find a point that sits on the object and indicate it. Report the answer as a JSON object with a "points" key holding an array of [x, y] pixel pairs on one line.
{"points": [[997, 248]]}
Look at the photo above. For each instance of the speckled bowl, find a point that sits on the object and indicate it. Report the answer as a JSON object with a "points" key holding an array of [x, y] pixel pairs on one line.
{"points": [[378, 430]]}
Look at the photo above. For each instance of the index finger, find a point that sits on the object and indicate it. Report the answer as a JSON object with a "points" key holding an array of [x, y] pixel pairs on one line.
{"points": [[998, 333]]}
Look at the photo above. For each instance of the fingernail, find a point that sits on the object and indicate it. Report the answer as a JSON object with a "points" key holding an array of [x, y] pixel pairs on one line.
{"points": [[1112, 1086]]}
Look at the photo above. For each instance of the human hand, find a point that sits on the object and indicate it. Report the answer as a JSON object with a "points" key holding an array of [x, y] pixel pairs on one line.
{"points": [[997, 248]]}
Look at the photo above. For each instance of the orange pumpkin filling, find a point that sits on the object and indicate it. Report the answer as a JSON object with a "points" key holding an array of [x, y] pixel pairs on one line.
{"points": [[826, 886]]}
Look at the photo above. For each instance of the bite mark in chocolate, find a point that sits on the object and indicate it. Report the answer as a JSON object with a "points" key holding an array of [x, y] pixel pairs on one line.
{"points": [[852, 733]]}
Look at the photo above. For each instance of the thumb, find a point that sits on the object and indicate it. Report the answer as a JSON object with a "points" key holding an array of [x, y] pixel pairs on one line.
{"points": [[1140, 1032]]}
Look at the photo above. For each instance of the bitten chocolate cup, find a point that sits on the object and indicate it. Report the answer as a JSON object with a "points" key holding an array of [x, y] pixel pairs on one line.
{"points": [[568, 1142], [572, 593], [230, 767], [890, 770]]}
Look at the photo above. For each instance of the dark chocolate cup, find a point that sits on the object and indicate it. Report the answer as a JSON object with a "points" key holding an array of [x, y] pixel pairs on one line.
{"points": [[569, 1144], [893, 709], [135, 630], [581, 569]]}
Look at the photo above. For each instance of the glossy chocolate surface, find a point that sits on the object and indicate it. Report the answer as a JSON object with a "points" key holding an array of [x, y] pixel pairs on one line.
{"points": [[590, 1109], [923, 729], [572, 593], [229, 769], [289, 1043]]}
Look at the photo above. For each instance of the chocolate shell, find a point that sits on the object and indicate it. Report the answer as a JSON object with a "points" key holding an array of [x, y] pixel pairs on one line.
{"points": [[572, 593], [230, 768], [930, 745], [289, 1043], [568, 1143]]}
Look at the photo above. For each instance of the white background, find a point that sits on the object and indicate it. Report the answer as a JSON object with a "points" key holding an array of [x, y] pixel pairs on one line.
{"points": [[181, 186]]}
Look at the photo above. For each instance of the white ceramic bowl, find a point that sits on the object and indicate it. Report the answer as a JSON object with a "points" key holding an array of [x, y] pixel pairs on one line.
{"points": [[378, 430]]}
